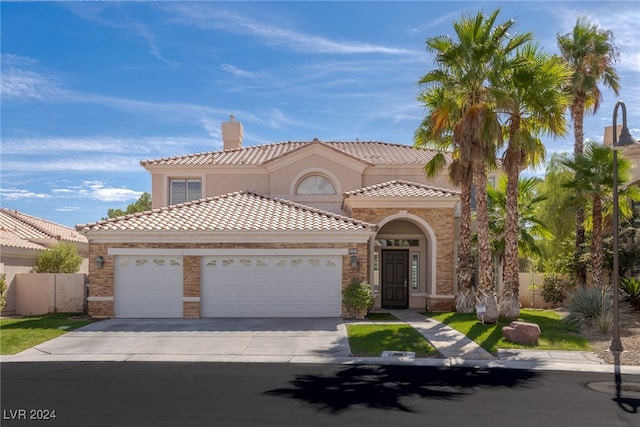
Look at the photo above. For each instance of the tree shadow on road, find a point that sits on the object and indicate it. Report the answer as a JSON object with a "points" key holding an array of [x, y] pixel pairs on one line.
{"points": [[385, 387]]}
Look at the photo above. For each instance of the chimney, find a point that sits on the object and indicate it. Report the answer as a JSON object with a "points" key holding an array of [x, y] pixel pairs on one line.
{"points": [[232, 133], [607, 141]]}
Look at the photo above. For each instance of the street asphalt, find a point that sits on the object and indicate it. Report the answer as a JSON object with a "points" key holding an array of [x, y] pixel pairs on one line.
{"points": [[284, 340]]}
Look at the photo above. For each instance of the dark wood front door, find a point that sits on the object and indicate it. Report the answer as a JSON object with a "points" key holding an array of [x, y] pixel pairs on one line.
{"points": [[395, 276]]}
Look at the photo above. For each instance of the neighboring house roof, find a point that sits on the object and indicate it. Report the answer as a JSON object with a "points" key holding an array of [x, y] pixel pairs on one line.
{"points": [[239, 211], [370, 152], [25, 231], [399, 188]]}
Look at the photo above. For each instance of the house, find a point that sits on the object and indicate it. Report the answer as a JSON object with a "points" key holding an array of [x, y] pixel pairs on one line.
{"points": [[23, 238], [279, 230]]}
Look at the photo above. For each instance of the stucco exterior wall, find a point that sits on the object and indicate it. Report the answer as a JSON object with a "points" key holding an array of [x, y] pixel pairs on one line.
{"points": [[41, 293]]}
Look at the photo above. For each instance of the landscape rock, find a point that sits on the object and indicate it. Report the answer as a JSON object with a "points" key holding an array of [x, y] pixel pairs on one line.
{"points": [[522, 332]]}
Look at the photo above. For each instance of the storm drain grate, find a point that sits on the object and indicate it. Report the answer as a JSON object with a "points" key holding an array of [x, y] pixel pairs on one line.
{"points": [[400, 355], [628, 389]]}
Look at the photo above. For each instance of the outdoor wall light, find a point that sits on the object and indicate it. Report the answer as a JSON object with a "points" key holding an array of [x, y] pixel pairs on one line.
{"points": [[98, 262], [354, 261]]}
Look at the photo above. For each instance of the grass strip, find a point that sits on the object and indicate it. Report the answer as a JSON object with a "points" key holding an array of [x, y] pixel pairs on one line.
{"points": [[555, 333], [18, 334]]}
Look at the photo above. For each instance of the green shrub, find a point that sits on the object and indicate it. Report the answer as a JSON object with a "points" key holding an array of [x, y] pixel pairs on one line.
{"points": [[630, 288], [358, 298], [62, 258], [555, 288], [3, 291], [589, 304]]}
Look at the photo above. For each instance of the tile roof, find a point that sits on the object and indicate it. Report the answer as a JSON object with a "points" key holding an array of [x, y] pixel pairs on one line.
{"points": [[399, 188], [9, 239], [239, 211], [19, 226], [370, 152]]}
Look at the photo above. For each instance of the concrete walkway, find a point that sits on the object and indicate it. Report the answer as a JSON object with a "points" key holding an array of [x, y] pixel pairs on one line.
{"points": [[449, 342]]}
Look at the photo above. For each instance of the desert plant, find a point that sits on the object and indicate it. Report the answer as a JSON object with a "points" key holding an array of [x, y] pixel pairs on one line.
{"points": [[630, 289], [3, 291], [62, 258], [589, 304], [358, 298]]}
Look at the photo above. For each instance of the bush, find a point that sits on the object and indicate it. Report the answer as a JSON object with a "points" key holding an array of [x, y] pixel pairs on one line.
{"points": [[555, 288], [588, 304], [3, 291], [63, 258], [357, 298], [630, 288]]}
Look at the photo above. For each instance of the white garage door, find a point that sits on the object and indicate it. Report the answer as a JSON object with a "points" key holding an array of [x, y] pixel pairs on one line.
{"points": [[271, 286], [148, 286]]}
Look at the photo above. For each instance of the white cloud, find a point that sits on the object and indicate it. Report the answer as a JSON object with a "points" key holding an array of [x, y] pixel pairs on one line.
{"points": [[97, 190], [19, 81], [238, 72], [68, 209], [211, 17], [16, 194]]}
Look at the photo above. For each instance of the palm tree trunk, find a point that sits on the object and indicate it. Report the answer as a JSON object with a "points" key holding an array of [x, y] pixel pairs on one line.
{"points": [[596, 243], [577, 113], [486, 288], [465, 301], [509, 302]]}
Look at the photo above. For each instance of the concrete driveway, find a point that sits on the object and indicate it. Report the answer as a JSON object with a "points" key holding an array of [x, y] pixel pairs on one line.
{"points": [[279, 340]]}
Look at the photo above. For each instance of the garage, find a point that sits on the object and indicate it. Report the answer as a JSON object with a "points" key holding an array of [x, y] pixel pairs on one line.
{"points": [[148, 286], [271, 286]]}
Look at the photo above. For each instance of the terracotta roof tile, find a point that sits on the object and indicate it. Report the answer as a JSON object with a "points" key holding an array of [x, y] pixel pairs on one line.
{"points": [[370, 152], [11, 240], [399, 188], [29, 227], [240, 211]]}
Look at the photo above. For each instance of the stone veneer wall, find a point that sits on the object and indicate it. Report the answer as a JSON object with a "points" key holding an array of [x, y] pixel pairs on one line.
{"points": [[442, 221], [102, 281]]}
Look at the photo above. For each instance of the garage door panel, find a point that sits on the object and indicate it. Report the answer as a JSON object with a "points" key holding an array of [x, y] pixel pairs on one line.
{"points": [[299, 286], [148, 286]]}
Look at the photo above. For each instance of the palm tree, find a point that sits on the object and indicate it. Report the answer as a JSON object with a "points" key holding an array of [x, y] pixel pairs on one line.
{"points": [[590, 52], [466, 65], [592, 184], [436, 131], [530, 229], [531, 98]]}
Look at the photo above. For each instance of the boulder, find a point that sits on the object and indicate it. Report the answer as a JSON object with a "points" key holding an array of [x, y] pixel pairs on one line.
{"points": [[522, 332]]}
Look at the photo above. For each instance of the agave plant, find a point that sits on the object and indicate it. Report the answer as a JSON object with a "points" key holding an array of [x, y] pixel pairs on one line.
{"points": [[589, 304], [630, 289]]}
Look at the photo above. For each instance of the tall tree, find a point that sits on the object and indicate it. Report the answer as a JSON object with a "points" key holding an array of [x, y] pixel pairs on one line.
{"points": [[466, 65], [436, 132], [531, 231], [530, 96], [142, 204], [592, 184], [590, 52]]}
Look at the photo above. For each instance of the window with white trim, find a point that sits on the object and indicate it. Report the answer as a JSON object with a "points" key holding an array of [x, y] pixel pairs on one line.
{"points": [[184, 190], [315, 184]]}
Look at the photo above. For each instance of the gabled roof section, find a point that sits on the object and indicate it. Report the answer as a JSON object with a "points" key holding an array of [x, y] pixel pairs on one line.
{"points": [[239, 211], [33, 230], [399, 188], [369, 152]]}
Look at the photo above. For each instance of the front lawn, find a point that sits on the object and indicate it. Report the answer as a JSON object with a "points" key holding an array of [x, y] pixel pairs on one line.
{"points": [[555, 334], [370, 340], [18, 334]]}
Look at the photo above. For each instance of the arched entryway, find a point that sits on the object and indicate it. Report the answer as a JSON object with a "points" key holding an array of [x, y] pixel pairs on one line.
{"points": [[403, 268]]}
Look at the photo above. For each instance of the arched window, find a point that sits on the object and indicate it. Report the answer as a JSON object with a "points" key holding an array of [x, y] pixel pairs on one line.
{"points": [[315, 184]]}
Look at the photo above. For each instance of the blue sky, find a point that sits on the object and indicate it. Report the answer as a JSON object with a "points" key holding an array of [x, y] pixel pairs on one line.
{"points": [[89, 88]]}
